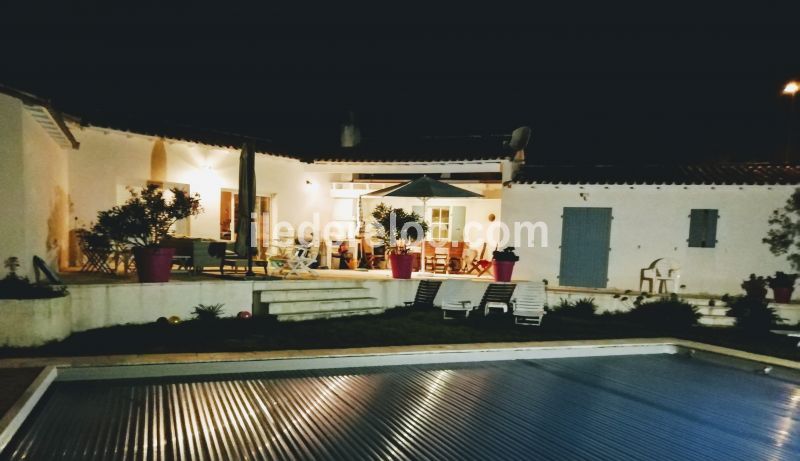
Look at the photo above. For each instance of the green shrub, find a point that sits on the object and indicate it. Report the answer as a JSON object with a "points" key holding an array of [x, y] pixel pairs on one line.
{"points": [[210, 312], [668, 313], [753, 314], [581, 308]]}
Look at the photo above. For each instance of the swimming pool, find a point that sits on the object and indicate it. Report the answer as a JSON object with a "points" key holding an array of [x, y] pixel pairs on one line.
{"points": [[660, 406]]}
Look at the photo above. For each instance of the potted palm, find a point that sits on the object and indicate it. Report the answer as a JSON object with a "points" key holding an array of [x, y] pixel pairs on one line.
{"points": [[397, 229], [782, 286], [503, 264], [144, 221]]}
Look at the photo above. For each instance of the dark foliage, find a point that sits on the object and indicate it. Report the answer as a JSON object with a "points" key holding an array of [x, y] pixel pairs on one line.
{"points": [[208, 312], [755, 287], [783, 237], [669, 313], [506, 255], [782, 280], [581, 308], [395, 227], [12, 286]]}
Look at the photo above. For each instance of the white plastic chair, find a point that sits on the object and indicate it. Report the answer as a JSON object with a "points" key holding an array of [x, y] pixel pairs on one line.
{"points": [[667, 270], [299, 262], [528, 302]]}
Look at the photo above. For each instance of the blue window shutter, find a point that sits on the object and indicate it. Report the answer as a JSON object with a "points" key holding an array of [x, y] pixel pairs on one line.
{"points": [[458, 216], [703, 228], [711, 228]]}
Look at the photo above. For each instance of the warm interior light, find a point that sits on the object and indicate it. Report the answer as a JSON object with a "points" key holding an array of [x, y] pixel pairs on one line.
{"points": [[791, 88]]}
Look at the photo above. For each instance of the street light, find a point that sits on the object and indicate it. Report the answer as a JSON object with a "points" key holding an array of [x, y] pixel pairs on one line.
{"points": [[790, 89]]}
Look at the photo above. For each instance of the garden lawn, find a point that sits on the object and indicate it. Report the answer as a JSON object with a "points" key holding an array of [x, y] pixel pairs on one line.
{"points": [[400, 326]]}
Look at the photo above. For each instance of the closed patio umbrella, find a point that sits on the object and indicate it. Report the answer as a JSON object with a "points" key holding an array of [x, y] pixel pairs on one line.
{"points": [[246, 207], [425, 188]]}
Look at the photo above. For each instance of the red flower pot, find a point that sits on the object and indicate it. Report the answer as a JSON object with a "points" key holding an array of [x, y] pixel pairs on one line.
{"points": [[401, 265], [782, 295], [502, 270], [153, 264]]}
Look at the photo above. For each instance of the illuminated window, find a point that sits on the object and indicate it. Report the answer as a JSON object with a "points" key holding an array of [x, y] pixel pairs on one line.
{"points": [[440, 223]]}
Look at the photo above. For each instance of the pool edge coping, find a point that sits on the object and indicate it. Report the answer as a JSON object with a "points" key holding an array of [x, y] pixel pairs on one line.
{"points": [[24, 405], [12, 420]]}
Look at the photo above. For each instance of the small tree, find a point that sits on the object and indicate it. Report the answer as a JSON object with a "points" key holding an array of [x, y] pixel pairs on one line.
{"points": [[145, 219], [395, 226], [783, 237]]}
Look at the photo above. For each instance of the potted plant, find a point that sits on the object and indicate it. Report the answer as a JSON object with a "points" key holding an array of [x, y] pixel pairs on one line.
{"points": [[782, 286], [503, 264], [397, 229], [143, 222], [755, 287]]}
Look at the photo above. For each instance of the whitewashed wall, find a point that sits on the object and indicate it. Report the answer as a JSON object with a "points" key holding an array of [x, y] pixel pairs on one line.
{"points": [[33, 190], [12, 191], [108, 161], [652, 222]]}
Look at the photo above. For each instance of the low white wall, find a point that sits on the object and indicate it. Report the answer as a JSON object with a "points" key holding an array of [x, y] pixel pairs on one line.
{"points": [[38, 321], [35, 322]]}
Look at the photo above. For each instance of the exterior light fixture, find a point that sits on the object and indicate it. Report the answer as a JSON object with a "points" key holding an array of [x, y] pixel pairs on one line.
{"points": [[791, 88]]}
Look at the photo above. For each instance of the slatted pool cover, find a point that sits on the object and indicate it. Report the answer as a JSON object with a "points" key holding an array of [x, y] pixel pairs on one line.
{"points": [[612, 408]]}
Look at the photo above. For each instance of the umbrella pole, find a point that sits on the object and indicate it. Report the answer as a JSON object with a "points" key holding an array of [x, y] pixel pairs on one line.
{"points": [[250, 272], [424, 234]]}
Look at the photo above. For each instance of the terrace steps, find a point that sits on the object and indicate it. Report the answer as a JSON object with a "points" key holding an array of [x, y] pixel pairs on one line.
{"points": [[309, 300], [714, 316]]}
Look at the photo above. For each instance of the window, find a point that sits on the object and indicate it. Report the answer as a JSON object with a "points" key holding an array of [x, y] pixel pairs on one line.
{"points": [[440, 223], [229, 204], [703, 228]]}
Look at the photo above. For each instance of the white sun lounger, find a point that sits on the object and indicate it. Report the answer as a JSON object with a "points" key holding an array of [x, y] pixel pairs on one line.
{"points": [[528, 303]]}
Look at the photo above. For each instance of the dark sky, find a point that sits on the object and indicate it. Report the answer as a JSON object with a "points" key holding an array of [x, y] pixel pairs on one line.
{"points": [[602, 92]]}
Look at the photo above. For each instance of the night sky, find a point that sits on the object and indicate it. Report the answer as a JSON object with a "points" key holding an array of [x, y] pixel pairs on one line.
{"points": [[642, 92]]}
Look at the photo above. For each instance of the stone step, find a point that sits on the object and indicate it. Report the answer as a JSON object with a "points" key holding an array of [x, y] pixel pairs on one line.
{"points": [[273, 285], [320, 306], [717, 321], [329, 315], [712, 310], [313, 294]]}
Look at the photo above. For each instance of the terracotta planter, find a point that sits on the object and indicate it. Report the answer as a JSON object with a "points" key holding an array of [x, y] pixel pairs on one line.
{"points": [[782, 294], [401, 265], [153, 264], [502, 270]]}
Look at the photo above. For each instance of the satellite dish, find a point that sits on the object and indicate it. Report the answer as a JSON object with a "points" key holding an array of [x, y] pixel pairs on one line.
{"points": [[520, 138]]}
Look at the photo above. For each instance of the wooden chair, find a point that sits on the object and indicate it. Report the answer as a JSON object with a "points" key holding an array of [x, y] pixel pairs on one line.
{"points": [[480, 265], [436, 258], [97, 259]]}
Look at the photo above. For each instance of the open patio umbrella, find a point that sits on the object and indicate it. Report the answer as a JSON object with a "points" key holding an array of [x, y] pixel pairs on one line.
{"points": [[246, 207], [424, 188]]}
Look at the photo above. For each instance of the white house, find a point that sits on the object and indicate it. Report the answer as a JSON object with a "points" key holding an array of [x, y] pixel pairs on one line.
{"points": [[600, 224], [606, 223]]}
